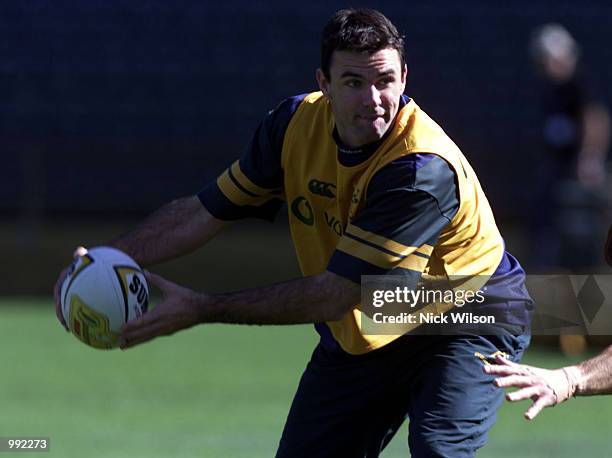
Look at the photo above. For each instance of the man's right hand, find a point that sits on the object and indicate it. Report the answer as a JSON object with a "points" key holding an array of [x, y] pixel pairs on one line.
{"points": [[80, 251]]}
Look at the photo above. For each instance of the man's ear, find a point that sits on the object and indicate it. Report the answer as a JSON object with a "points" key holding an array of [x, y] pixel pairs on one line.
{"points": [[404, 76], [323, 83]]}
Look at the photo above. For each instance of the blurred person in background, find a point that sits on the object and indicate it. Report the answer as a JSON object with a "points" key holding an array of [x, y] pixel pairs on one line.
{"points": [[567, 215]]}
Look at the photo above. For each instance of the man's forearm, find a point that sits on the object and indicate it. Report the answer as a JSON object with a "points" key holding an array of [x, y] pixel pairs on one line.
{"points": [[319, 298], [175, 229], [315, 299], [595, 375]]}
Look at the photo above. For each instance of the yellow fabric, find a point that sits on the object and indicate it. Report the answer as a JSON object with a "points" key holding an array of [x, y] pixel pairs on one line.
{"points": [[402, 250], [470, 245]]}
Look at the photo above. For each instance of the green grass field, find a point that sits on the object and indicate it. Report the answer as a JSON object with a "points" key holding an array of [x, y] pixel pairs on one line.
{"points": [[216, 391]]}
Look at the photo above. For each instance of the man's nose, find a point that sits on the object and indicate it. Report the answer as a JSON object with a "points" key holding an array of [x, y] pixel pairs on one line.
{"points": [[371, 97]]}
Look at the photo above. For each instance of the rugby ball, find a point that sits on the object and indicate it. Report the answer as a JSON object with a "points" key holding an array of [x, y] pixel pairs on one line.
{"points": [[104, 289]]}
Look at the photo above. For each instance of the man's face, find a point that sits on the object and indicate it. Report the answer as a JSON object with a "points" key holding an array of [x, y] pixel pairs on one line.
{"points": [[364, 91]]}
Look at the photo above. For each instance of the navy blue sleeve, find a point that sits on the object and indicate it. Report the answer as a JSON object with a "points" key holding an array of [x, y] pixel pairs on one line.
{"points": [[252, 186], [408, 204]]}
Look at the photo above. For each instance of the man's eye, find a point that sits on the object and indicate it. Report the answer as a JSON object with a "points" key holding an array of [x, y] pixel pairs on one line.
{"points": [[353, 83], [385, 82]]}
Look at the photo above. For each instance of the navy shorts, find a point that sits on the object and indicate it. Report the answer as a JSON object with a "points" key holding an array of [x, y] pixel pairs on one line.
{"points": [[351, 406]]}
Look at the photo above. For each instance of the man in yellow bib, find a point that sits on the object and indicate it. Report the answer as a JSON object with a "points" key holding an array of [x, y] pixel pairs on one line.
{"points": [[373, 186]]}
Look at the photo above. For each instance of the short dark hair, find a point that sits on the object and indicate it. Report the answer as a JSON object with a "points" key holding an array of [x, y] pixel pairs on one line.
{"points": [[360, 30]]}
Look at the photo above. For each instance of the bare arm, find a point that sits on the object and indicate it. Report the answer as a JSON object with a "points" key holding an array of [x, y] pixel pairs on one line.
{"points": [[175, 229], [595, 375], [318, 298]]}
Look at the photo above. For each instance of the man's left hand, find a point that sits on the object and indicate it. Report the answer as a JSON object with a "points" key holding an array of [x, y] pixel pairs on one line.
{"points": [[179, 309]]}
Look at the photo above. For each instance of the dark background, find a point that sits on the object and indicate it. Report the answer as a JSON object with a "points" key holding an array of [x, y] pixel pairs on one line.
{"points": [[110, 108], [117, 106]]}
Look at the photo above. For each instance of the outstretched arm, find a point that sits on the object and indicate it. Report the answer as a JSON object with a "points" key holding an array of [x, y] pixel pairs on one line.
{"points": [[548, 388], [318, 298], [175, 229]]}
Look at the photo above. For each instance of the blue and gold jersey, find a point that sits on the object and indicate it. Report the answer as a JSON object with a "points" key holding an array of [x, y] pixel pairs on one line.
{"points": [[408, 205]]}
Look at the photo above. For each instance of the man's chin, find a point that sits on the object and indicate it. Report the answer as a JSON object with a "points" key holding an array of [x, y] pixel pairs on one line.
{"points": [[373, 131], [372, 137]]}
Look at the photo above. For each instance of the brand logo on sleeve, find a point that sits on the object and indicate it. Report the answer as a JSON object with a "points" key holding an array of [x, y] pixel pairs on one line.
{"points": [[322, 188]]}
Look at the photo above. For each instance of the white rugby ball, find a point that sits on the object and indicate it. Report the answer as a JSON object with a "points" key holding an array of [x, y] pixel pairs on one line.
{"points": [[104, 289]]}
